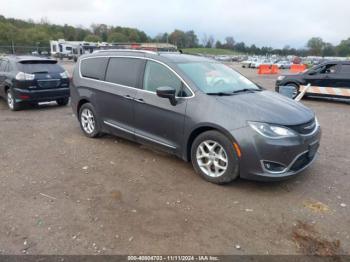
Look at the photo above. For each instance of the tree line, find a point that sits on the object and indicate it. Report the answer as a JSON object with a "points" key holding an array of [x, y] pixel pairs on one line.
{"points": [[30, 33]]}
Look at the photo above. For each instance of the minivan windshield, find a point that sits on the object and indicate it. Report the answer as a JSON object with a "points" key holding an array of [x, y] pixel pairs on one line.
{"points": [[217, 78]]}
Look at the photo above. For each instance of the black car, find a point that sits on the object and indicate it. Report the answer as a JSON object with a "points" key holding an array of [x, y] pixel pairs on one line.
{"points": [[329, 79], [30, 79], [199, 109]]}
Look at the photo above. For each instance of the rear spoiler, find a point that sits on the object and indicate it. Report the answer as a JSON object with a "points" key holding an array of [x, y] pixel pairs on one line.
{"points": [[38, 61]]}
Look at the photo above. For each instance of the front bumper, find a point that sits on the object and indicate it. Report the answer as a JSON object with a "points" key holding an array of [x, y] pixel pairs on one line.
{"points": [[43, 95], [295, 154]]}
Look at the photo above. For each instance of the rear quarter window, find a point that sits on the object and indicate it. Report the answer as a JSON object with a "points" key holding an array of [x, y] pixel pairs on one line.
{"points": [[124, 71], [94, 68]]}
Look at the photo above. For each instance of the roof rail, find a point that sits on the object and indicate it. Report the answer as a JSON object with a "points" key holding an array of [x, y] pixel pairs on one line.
{"points": [[127, 50]]}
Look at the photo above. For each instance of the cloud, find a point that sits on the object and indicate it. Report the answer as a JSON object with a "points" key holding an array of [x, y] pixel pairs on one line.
{"points": [[270, 23]]}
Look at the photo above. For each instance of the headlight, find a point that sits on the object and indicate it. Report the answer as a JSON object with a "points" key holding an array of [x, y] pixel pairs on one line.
{"points": [[24, 76], [280, 78], [64, 74], [272, 131]]}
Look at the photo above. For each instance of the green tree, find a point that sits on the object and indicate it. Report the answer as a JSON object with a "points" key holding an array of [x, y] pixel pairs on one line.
{"points": [[343, 49], [328, 50], [218, 44], [230, 42], [315, 46], [117, 38], [92, 38]]}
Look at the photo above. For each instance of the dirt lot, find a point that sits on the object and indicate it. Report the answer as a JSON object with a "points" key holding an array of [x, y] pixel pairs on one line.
{"points": [[62, 193]]}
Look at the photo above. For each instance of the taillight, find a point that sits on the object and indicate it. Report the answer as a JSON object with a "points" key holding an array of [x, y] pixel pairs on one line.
{"points": [[64, 75], [24, 76]]}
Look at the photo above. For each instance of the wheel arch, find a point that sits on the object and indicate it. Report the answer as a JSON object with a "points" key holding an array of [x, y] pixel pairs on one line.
{"points": [[81, 103], [199, 130]]}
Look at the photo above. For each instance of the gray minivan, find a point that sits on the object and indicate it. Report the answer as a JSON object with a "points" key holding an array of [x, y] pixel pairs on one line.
{"points": [[196, 108]]}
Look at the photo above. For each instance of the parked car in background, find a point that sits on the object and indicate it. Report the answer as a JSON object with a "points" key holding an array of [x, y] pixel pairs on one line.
{"points": [[283, 64], [196, 108], [32, 79], [329, 79]]}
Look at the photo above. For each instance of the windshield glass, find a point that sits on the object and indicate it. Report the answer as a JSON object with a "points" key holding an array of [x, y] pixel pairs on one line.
{"points": [[212, 77]]}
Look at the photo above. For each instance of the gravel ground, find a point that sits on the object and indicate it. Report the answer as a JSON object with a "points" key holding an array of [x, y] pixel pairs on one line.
{"points": [[62, 193]]}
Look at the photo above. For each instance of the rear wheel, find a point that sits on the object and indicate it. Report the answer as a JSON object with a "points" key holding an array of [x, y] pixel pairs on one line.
{"points": [[214, 158], [88, 121], [62, 101], [11, 101]]}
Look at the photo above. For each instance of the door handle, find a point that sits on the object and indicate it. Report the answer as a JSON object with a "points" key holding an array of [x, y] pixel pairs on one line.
{"points": [[140, 100], [128, 97]]}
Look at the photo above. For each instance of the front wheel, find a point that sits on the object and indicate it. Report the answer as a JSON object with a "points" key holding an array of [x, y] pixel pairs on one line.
{"points": [[11, 101], [214, 158], [296, 90]]}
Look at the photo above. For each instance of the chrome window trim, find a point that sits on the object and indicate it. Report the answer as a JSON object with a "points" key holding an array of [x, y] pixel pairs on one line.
{"points": [[135, 57], [142, 136]]}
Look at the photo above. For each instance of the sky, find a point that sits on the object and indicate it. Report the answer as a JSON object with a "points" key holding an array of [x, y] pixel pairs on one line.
{"points": [[274, 23]]}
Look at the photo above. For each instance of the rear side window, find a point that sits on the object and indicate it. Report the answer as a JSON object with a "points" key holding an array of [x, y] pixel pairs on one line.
{"points": [[124, 71], [345, 69], [94, 68], [33, 67]]}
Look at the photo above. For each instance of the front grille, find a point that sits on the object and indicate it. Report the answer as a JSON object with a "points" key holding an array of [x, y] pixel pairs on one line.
{"points": [[306, 128], [48, 83]]}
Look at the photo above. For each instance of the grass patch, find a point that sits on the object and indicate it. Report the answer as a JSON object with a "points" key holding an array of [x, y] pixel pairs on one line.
{"points": [[209, 51]]}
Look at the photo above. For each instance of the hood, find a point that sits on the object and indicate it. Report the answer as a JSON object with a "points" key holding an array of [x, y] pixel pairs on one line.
{"points": [[268, 107]]}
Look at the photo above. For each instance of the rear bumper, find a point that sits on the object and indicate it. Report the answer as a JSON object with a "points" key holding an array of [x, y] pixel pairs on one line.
{"points": [[45, 95]]}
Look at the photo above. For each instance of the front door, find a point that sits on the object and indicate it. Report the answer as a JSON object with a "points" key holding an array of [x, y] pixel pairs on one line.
{"points": [[156, 120], [324, 76]]}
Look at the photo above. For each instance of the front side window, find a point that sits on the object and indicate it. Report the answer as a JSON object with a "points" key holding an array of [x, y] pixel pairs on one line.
{"points": [[328, 69], [213, 77], [157, 75], [124, 71]]}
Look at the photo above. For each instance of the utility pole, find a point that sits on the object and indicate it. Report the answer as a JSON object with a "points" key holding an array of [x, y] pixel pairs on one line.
{"points": [[13, 47]]}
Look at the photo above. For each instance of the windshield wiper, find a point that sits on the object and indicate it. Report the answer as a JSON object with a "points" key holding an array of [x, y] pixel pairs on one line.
{"points": [[41, 72], [246, 90], [220, 94]]}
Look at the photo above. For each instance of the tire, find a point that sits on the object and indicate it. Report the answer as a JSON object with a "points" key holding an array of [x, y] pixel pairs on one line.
{"points": [[214, 169], [89, 123], [62, 101], [11, 102], [297, 87]]}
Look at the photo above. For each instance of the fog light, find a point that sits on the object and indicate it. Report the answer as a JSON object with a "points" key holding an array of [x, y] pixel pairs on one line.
{"points": [[273, 166]]}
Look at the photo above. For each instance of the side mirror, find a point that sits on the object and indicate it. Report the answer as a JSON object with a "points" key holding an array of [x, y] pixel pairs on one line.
{"points": [[288, 91], [167, 92]]}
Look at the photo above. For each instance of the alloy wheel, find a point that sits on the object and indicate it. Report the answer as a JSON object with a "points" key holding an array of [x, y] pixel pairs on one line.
{"points": [[212, 158], [10, 100], [87, 121]]}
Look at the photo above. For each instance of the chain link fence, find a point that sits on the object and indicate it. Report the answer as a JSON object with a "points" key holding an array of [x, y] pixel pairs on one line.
{"points": [[24, 50]]}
